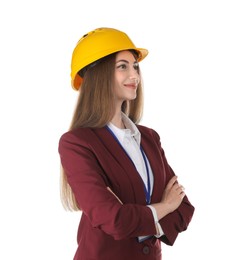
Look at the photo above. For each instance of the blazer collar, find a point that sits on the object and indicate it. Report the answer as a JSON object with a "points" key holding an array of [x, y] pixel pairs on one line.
{"points": [[129, 170]]}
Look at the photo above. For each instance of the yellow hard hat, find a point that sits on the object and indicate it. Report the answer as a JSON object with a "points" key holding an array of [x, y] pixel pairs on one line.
{"points": [[96, 45]]}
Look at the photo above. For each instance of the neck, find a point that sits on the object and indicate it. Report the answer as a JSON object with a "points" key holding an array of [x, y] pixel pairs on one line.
{"points": [[117, 119]]}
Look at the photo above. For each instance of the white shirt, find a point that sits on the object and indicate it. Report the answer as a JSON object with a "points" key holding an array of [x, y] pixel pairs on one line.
{"points": [[130, 139]]}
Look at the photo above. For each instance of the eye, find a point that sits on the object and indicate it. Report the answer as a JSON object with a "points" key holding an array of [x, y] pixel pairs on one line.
{"points": [[136, 66], [122, 66]]}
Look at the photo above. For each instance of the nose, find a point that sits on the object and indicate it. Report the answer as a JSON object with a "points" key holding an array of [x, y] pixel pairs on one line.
{"points": [[134, 80], [134, 76]]}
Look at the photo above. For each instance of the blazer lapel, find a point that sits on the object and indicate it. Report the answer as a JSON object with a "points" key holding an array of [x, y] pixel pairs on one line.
{"points": [[153, 154], [119, 155]]}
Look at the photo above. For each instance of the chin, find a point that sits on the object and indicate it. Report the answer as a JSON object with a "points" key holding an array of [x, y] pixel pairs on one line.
{"points": [[131, 98]]}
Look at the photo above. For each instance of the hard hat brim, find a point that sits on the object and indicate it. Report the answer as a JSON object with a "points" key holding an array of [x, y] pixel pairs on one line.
{"points": [[77, 80]]}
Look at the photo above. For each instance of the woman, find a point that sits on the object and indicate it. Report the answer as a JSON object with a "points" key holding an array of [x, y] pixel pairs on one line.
{"points": [[114, 170]]}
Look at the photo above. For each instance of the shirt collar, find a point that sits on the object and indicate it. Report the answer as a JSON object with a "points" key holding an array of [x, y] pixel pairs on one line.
{"points": [[131, 129]]}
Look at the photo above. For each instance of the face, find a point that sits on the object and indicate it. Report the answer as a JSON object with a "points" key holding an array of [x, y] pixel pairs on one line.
{"points": [[126, 76]]}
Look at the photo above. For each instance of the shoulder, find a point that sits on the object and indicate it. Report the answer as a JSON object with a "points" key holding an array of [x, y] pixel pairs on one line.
{"points": [[87, 137], [78, 135]]}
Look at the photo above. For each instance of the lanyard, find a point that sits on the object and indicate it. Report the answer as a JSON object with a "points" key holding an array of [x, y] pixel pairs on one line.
{"points": [[148, 189]]}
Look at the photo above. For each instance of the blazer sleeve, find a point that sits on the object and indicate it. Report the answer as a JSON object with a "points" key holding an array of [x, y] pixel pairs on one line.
{"points": [[89, 183], [177, 221]]}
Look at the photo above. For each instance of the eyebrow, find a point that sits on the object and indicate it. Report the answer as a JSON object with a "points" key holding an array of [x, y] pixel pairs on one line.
{"points": [[126, 61], [122, 61]]}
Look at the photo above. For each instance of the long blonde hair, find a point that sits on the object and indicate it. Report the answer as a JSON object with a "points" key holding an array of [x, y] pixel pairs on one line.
{"points": [[95, 108]]}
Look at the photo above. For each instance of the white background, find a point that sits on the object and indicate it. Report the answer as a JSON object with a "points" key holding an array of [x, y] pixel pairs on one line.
{"points": [[193, 80]]}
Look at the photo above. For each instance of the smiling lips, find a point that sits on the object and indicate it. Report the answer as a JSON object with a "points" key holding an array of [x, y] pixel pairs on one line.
{"points": [[132, 85]]}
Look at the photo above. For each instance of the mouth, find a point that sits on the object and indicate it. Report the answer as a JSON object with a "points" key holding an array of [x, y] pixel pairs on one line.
{"points": [[131, 86]]}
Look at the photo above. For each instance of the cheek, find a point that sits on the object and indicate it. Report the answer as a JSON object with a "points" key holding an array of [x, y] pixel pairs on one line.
{"points": [[116, 88], [118, 82], [119, 79]]}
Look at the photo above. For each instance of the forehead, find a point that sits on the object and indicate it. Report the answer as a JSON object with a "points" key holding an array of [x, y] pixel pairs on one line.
{"points": [[125, 55]]}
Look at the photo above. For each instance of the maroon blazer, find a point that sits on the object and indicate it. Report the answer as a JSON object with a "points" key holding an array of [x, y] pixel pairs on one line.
{"points": [[93, 161]]}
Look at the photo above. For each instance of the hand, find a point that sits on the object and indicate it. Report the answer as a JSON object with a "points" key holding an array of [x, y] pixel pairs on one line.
{"points": [[171, 198], [173, 194]]}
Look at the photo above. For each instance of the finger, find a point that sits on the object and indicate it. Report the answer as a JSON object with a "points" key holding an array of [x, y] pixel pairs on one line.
{"points": [[180, 189], [172, 181], [182, 194]]}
